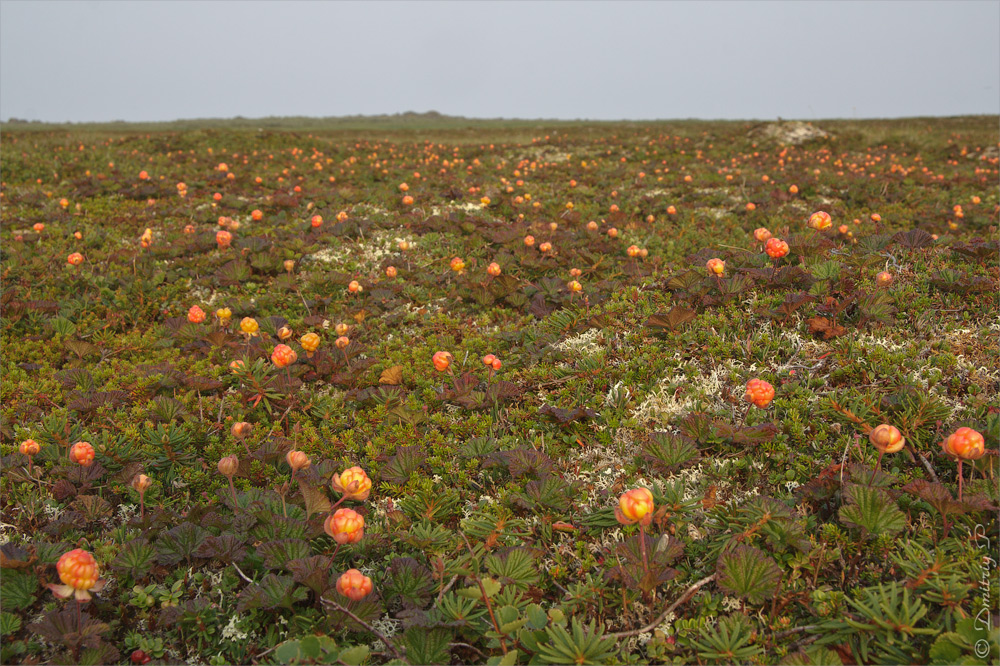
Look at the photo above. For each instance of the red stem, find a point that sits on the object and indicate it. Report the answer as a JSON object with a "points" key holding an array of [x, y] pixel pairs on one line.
{"points": [[877, 465], [642, 549]]}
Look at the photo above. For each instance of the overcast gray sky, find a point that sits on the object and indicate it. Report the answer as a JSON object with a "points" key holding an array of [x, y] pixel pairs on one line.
{"points": [[89, 60]]}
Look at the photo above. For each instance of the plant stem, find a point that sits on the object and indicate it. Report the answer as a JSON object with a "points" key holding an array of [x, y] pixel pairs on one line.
{"points": [[877, 466], [959, 479], [642, 549], [688, 593], [486, 600], [284, 489], [382, 637]]}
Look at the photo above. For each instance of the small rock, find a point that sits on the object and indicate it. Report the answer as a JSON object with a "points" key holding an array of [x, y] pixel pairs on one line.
{"points": [[789, 132]]}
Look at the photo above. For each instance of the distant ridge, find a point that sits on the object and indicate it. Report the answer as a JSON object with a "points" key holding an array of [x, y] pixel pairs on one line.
{"points": [[410, 120]]}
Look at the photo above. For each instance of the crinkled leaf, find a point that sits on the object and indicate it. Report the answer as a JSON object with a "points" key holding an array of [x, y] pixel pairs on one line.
{"points": [[180, 543], [583, 644], [272, 592], [368, 610], [135, 558], [826, 327], [661, 552], [83, 475], [275, 527], [18, 589], [684, 280], [80, 347], [564, 416], [676, 317], [872, 510], [13, 556], [517, 567], [278, 553], [313, 572], [226, 548], [92, 507], [939, 497], [315, 499], [668, 452], [913, 239], [408, 580], [523, 461], [406, 461], [748, 573], [427, 646], [392, 376], [66, 627]]}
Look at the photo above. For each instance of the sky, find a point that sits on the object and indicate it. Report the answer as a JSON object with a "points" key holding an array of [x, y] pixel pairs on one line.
{"points": [[93, 61]]}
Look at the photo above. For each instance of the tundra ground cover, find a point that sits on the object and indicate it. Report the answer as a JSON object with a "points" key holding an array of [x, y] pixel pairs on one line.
{"points": [[588, 394]]}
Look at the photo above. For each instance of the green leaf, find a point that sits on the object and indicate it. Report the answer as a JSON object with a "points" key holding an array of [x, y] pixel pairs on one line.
{"points": [[518, 567], [729, 641], [668, 451], [491, 586], [310, 650], [814, 656], [287, 652], [948, 648], [135, 558], [827, 270], [309, 647], [531, 640], [277, 527], [550, 495], [278, 553], [507, 613], [272, 592], [9, 624], [537, 619], [510, 620], [584, 644], [509, 659], [474, 592], [872, 510], [406, 461], [427, 646], [748, 573], [18, 590], [408, 580], [99, 655], [353, 656]]}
